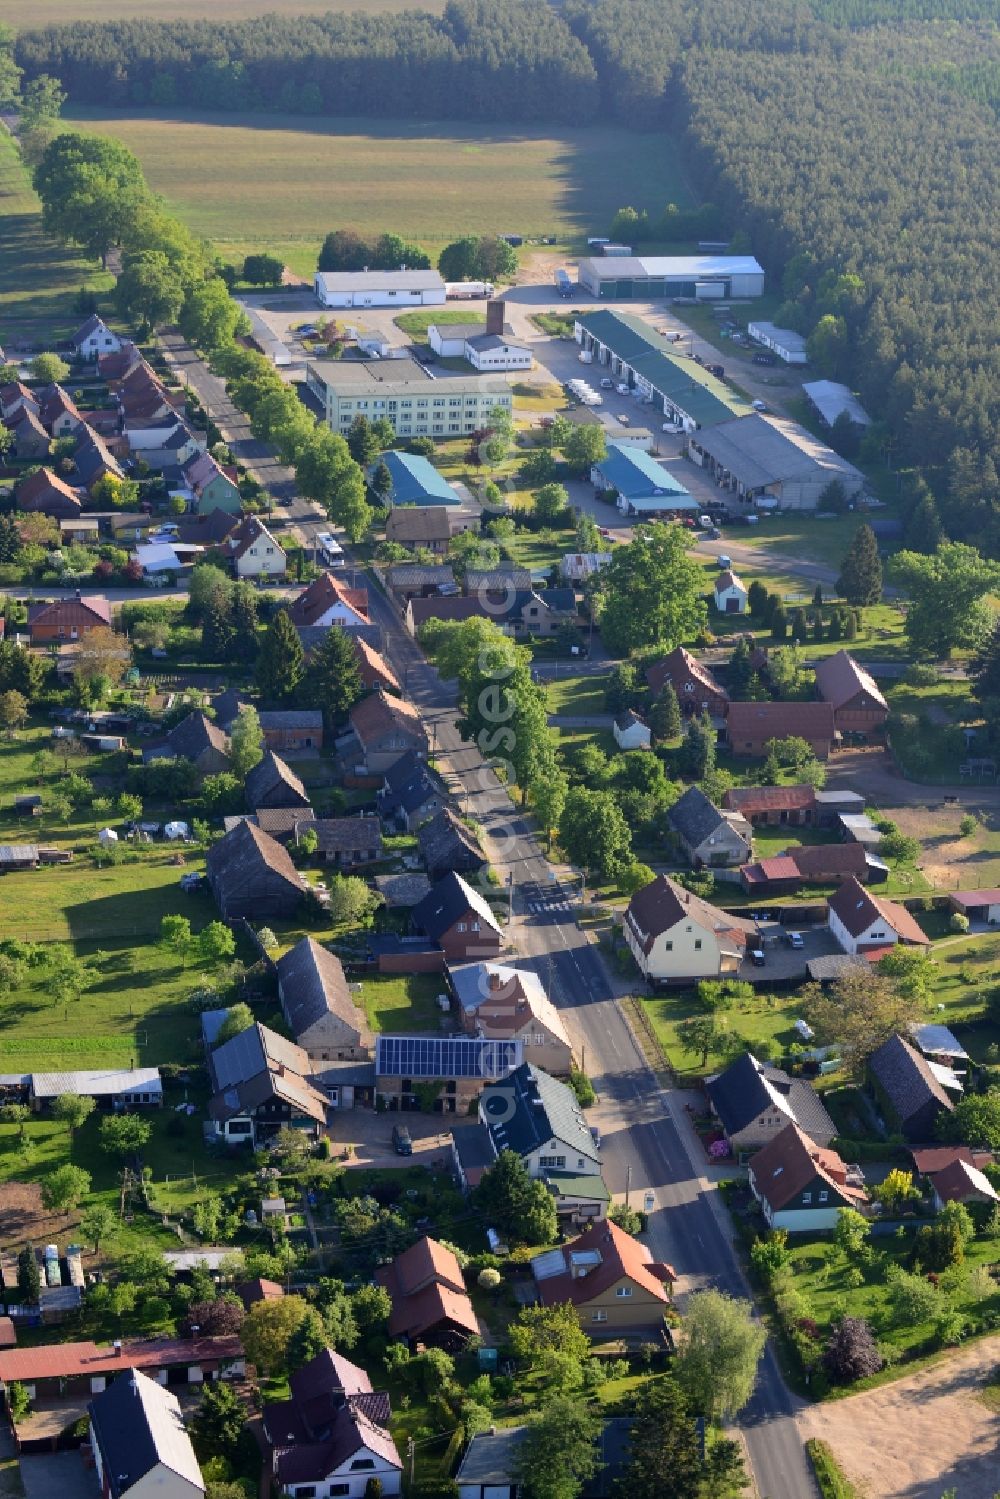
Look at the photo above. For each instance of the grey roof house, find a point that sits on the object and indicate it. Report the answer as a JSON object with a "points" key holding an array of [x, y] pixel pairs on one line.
{"points": [[445, 843], [710, 838], [139, 1442], [753, 1101], [910, 1091], [540, 1120], [251, 875], [261, 1083], [316, 1002], [195, 738], [409, 794], [273, 783]]}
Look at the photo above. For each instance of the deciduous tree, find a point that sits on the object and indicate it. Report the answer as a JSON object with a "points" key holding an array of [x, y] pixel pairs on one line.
{"points": [[717, 1365], [948, 598], [559, 1451], [73, 1110], [63, 1188]]}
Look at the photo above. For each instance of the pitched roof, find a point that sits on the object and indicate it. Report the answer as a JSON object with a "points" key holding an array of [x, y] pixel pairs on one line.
{"points": [[66, 1360], [246, 850], [92, 455], [678, 665], [312, 985], [449, 900], [258, 1065], [445, 841], [270, 773], [415, 481], [748, 1087], [427, 1287], [44, 488], [728, 579], [506, 576], [420, 575], [99, 608], [200, 470], [380, 714], [207, 530], [138, 1425], [354, 835], [532, 1108], [361, 1422], [694, 817], [779, 721], [374, 668], [763, 450], [450, 607], [416, 523], [789, 1162], [828, 861], [858, 908], [250, 529], [961, 1180], [491, 1459], [659, 906], [840, 678], [324, 593], [752, 799], [617, 1256], [92, 324], [408, 785], [443, 1058], [634, 473], [907, 1078], [195, 734], [478, 984], [929, 1159], [770, 871], [974, 900], [54, 403]]}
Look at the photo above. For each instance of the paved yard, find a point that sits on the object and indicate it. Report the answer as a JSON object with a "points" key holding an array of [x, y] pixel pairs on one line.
{"points": [[921, 1436], [371, 1135], [58, 1475]]}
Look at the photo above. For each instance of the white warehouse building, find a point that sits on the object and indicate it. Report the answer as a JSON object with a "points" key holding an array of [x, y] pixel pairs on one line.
{"points": [[400, 288], [785, 342], [701, 278]]}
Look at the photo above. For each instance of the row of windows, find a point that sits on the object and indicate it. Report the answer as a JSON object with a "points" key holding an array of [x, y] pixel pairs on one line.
{"points": [[472, 402]]}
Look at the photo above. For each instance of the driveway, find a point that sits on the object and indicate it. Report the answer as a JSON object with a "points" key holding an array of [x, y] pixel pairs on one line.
{"points": [[58, 1475], [370, 1133]]}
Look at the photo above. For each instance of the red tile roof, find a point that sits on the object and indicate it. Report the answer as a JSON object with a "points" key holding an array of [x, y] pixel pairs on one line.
{"points": [[750, 799], [323, 593], [375, 669], [427, 1288], [790, 1161], [678, 665], [766, 871], [840, 678], [760, 722], [64, 1360], [972, 900], [621, 1258], [379, 714], [857, 908], [962, 1182]]}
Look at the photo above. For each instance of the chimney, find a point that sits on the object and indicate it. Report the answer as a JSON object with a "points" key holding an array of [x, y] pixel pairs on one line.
{"points": [[117, 1346], [494, 316], [494, 981]]}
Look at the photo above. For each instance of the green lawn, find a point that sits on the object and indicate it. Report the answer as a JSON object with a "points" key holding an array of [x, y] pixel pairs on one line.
{"points": [[38, 277], [402, 1002], [281, 182], [416, 324], [575, 696], [766, 1017], [927, 735]]}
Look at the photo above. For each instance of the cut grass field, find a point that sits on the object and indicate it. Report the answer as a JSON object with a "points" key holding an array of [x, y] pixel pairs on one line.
{"points": [[416, 324], [27, 15], [576, 697], [403, 1002], [252, 181], [38, 278]]}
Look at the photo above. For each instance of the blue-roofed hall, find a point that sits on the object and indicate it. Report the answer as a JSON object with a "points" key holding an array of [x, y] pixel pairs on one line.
{"points": [[415, 481], [407, 1067], [641, 485]]}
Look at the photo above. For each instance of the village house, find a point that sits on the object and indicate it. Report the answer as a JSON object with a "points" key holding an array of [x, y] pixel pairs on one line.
{"points": [[252, 876], [730, 593], [195, 738], [430, 1303], [502, 1003], [273, 783], [459, 920], [540, 1120], [94, 338], [386, 728], [57, 411], [164, 444], [212, 487], [344, 842], [447, 845], [631, 731], [317, 1005], [711, 839], [910, 1092], [292, 730], [429, 526], [750, 727], [696, 688], [374, 668], [439, 1074], [409, 794], [67, 619], [32, 443], [45, 493], [254, 552], [676, 937], [773, 806], [609, 1279], [93, 459], [54, 1371], [859, 709], [870, 924], [331, 1437], [955, 1174], [13, 397], [753, 1101], [260, 1084], [328, 601], [802, 1187], [139, 1443]]}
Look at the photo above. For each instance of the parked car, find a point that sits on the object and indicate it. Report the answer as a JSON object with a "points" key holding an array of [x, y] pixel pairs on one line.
{"points": [[724, 561], [795, 939], [607, 383], [705, 521], [757, 957], [713, 533], [623, 419], [759, 405], [402, 1144]]}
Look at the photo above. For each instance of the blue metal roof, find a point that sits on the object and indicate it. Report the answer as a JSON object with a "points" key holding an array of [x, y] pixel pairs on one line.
{"points": [[445, 1057], [636, 474], [415, 481]]}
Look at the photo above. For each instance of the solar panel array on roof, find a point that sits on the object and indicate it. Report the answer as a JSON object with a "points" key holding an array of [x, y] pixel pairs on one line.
{"points": [[441, 1057]]}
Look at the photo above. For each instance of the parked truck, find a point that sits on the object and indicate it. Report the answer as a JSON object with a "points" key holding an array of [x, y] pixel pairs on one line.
{"points": [[564, 285]]}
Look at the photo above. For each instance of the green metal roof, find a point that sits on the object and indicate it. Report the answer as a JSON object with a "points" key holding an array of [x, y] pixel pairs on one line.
{"points": [[571, 1184], [704, 398]]}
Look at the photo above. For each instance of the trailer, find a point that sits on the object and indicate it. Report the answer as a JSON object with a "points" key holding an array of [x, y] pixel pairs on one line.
{"points": [[467, 291]]}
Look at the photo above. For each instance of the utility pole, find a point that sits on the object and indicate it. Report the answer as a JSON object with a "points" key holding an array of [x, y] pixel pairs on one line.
{"points": [[628, 1182], [411, 1452]]}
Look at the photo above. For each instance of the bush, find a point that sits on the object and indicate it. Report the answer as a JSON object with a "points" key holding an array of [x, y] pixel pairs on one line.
{"points": [[583, 1088], [968, 825], [958, 922], [851, 1352], [488, 1279]]}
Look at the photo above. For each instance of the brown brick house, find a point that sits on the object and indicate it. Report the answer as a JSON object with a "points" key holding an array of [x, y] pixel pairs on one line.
{"points": [[67, 619], [459, 920], [750, 727], [858, 705], [696, 688]]}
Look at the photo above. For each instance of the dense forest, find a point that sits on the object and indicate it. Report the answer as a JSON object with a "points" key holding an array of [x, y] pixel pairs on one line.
{"points": [[852, 141]]}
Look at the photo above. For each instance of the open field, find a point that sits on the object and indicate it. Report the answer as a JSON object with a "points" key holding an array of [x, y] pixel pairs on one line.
{"points": [[25, 15], [283, 181], [38, 278]]}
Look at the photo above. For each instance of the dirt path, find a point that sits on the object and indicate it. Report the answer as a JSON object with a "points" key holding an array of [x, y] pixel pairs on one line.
{"points": [[921, 1436]]}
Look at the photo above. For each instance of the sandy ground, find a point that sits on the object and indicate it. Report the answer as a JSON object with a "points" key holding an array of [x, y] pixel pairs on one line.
{"points": [[921, 1436], [24, 1219]]}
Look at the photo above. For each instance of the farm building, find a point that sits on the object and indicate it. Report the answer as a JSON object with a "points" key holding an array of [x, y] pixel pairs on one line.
{"points": [[429, 526], [650, 278], [251, 875], [292, 729], [195, 738], [273, 783], [631, 731], [770, 806], [641, 485], [317, 1005], [830, 400], [858, 706], [978, 905], [45, 492], [460, 1065], [261, 1083], [636, 355], [789, 346], [772, 462], [400, 288], [125, 1088], [402, 390], [910, 1092], [750, 727], [56, 1370], [344, 842]]}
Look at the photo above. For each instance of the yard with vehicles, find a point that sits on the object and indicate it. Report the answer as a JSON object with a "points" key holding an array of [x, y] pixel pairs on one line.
{"points": [[287, 180]]}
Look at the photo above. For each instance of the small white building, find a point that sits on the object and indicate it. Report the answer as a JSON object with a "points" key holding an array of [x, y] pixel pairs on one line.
{"points": [[785, 342], [254, 551], [631, 731], [489, 346], [400, 288], [730, 594], [94, 338]]}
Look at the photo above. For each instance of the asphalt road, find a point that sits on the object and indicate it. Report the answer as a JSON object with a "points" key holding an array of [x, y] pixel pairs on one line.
{"points": [[647, 1138]]}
